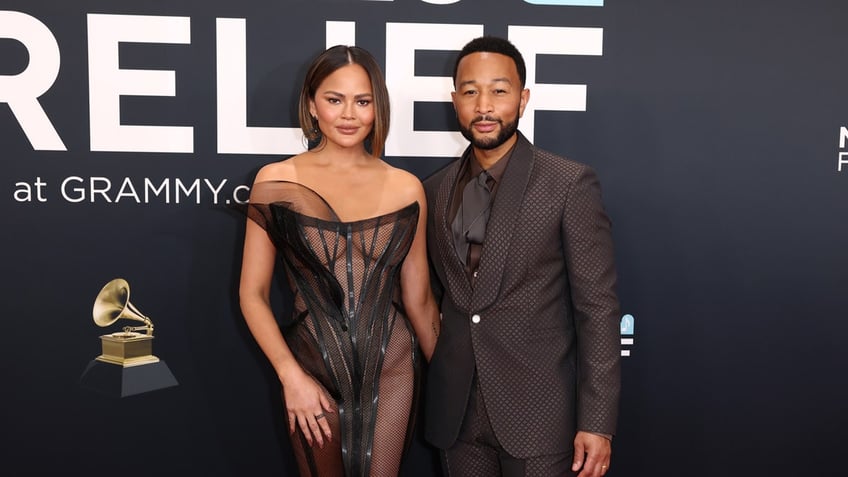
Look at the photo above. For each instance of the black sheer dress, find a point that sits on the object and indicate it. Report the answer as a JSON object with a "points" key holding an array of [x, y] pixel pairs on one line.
{"points": [[348, 328]]}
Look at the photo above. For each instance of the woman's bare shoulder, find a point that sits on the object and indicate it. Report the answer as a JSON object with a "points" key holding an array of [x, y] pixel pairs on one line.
{"points": [[404, 184], [283, 170], [402, 176]]}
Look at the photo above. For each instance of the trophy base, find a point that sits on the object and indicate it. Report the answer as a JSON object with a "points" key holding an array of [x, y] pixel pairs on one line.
{"points": [[127, 349], [115, 380]]}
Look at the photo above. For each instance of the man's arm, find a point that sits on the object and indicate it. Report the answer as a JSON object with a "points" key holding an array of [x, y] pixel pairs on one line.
{"points": [[589, 256]]}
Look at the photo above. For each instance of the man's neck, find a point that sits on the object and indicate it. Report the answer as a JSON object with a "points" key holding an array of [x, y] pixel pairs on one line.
{"points": [[489, 157]]}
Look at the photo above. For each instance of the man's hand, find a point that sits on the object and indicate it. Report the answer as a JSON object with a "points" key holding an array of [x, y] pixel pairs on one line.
{"points": [[592, 454]]}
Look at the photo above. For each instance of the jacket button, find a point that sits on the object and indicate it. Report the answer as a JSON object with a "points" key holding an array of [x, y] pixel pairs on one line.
{"points": [[475, 319]]}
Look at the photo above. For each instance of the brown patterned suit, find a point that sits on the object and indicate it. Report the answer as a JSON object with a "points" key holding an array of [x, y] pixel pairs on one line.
{"points": [[541, 323]]}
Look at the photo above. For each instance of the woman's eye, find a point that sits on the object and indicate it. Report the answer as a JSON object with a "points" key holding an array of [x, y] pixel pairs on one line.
{"points": [[364, 102]]}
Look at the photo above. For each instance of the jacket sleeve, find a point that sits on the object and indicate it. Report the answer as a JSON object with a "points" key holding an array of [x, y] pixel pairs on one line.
{"points": [[590, 265]]}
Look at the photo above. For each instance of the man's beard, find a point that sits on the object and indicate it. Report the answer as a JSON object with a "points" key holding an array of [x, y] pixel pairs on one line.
{"points": [[506, 132]]}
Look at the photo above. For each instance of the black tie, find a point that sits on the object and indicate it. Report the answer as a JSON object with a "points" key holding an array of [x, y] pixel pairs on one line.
{"points": [[469, 225]]}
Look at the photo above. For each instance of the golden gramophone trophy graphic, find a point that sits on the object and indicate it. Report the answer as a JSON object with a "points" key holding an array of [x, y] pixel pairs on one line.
{"points": [[126, 365]]}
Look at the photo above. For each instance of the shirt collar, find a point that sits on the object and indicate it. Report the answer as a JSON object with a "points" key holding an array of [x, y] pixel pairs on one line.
{"points": [[497, 170]]}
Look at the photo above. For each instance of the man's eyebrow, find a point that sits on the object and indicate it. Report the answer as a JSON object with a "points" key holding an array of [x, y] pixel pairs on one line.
{"points": [[495, 80]]}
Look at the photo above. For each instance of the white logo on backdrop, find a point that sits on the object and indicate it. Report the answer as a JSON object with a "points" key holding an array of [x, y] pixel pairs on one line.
{"points": [[108, 82], [628, 329]]}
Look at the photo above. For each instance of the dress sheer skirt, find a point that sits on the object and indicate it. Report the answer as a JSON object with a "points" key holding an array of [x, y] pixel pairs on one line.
{"points": [[348, 328]]}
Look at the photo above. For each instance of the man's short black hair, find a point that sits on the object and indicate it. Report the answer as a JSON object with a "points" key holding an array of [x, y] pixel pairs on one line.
{"points": [[493, 44]]}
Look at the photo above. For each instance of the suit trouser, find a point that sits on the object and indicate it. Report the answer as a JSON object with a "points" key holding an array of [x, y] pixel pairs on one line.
{"points": [[477, 452]]}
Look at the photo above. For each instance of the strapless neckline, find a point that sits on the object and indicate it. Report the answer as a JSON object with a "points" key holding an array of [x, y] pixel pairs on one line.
{"points": [[400, 212]]}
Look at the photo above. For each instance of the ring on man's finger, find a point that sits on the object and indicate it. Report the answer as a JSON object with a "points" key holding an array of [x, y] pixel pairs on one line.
{"points": [[320, 416]]}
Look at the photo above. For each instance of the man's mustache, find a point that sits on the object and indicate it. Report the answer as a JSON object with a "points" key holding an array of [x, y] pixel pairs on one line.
{"points": [[490, 119]]}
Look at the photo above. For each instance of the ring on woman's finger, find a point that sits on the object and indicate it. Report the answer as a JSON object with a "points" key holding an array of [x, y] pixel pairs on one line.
{"points": [[603, 466]]}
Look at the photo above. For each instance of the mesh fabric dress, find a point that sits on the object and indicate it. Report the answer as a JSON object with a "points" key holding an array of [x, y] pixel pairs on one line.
{"points": [[348, 328]]}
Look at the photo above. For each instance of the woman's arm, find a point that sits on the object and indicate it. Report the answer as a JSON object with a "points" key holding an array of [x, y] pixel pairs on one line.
{"points": [[421, 307], [305, 398]]}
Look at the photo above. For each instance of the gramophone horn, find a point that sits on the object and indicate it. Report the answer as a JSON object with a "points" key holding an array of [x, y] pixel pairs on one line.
{"points": [[113, 304]]}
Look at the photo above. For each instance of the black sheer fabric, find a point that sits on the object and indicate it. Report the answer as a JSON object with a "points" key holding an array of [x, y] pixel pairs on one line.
{"points": [[348, 328]]}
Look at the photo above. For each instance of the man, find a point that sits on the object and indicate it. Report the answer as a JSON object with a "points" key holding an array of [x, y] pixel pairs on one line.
{"points": [[525, 377]]}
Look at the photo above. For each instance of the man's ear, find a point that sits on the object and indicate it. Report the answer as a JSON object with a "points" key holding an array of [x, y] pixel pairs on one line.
{"points": [[522, 103]]}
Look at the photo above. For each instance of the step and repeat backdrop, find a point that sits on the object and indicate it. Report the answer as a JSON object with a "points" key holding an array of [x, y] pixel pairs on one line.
{"points": [[128, 130]]}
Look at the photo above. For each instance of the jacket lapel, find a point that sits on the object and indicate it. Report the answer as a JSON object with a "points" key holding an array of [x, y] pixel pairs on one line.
{"points": [[502, 224], [458, 285]]}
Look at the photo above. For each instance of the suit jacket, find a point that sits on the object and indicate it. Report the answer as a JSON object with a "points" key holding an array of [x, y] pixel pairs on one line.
{"points": [[541, 323]]}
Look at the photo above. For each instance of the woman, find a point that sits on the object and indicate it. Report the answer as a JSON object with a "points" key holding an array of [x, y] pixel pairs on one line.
{"points": [[350, 230]]}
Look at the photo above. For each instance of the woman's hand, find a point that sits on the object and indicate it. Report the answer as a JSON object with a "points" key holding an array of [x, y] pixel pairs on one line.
{"points": [[306, 403]]}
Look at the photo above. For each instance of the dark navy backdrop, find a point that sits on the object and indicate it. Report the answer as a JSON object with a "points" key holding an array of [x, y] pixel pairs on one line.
{"points": [[715, 128]]}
